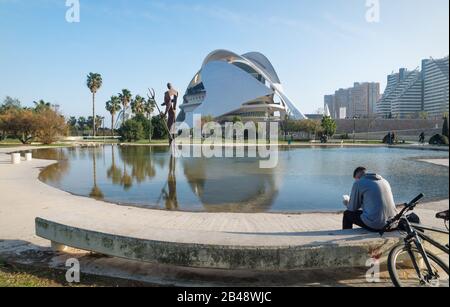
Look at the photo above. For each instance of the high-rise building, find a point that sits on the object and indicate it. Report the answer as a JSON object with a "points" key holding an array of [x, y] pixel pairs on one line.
{"points": [[407, 97], [358, 101], [435, 75], [410, 93], [330, 105]]}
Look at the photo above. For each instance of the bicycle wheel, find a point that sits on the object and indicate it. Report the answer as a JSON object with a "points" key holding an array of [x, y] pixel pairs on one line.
{"points": [[404, 273]]}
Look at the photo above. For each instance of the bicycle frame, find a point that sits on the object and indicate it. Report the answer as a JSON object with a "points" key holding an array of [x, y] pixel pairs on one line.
{"points": [[417, 237], [430, 240]]}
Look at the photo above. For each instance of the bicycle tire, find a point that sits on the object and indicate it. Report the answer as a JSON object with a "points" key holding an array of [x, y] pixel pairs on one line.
{"points": [[392, 260]]}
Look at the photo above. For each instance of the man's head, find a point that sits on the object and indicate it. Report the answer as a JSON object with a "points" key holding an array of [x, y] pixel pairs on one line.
{"points": [[169, 86], [359, 172]]}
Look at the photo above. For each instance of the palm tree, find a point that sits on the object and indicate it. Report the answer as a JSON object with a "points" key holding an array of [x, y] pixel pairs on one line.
{"points": [[138, 105], [41, 105], [98, 122], [125, 97], [82, 122], [94, 83], [113, 107], [149, 108]]}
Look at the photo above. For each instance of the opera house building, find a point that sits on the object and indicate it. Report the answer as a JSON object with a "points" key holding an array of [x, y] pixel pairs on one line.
{"points": [[229, 85]]}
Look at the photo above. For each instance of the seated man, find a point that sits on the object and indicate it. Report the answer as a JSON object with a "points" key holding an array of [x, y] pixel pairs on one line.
{"points": [[371, 203]]}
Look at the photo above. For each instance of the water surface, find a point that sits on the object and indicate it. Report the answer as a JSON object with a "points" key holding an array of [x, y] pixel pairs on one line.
{"points": [[306, 179]]}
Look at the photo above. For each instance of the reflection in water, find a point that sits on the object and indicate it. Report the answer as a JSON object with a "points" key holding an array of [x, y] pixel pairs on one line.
{"points": [[114, 173], [220, 186], [96, 193], [305, 179], [170, 195]]}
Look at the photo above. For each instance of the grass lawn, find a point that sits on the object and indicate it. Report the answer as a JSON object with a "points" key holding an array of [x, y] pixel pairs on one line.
{"points": [[21, 276]]}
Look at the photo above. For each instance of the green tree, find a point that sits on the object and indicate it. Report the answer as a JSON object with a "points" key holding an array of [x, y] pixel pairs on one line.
{"points": [[445, 127], [138, 105], [125, 98], [329, 126], [113, 107], [159, 128], [94, 83], [98, 122], [82, 123], [423, 115], [72, 125], [146, 125], [41, 105], [149, 108], [72, 121], [131, 131], [10, 103]]}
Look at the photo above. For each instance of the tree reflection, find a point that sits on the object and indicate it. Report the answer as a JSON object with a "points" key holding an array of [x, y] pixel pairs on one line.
{"points": [[140, 159], [55, 172], [114, 173], [96, 193]]}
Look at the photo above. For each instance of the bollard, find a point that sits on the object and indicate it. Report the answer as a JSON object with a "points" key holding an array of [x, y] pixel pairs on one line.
{"points": [[28, 156], [15, 158]]}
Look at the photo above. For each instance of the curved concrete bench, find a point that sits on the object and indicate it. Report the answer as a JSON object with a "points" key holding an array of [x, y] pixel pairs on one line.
{"points": [[260, 252]]}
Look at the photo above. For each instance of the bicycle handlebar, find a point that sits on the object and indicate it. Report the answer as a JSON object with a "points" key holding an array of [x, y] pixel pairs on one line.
{"points": [[417, 199], [408, 207]]}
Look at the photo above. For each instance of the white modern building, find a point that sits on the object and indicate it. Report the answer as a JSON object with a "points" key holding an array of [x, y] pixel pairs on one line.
{"points": [[403, 95], [435, 86], [410, 93], [229, 85]]}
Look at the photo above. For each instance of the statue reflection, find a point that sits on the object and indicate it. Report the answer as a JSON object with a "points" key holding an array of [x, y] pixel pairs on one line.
{"points": [[169, 192]]}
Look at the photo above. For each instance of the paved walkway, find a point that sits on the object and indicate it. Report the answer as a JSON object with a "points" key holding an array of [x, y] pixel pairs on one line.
{"points": [[23, 198]]}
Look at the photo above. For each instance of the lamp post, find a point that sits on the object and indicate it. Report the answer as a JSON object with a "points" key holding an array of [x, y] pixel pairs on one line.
{"points": [[354, 129]]}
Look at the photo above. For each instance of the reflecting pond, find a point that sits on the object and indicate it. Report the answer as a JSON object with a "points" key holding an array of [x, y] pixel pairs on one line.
{"points": [[306, 179]]}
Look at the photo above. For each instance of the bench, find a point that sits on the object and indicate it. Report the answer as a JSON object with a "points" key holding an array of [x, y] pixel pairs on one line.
{"points": [[333, 249]]}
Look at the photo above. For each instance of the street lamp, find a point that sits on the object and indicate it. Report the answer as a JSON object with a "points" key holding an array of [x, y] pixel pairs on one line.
{"points": [[354, 129]]}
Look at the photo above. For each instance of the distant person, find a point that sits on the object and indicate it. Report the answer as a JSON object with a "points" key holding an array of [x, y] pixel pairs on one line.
{"points": [[393, 137], [170, 102], [422, 138], [371, 204]]}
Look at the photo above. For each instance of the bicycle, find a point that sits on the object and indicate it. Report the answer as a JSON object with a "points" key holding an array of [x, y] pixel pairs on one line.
{"points": [[409, 263]]}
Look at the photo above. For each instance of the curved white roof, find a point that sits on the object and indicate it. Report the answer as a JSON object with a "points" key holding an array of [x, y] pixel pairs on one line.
{"points": [[229, 87]]}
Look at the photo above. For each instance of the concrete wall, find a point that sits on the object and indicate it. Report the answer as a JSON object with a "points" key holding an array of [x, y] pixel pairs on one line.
{"points": [[386, 125]]}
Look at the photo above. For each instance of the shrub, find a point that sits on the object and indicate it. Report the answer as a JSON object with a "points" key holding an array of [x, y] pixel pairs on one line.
{"points": [[329, 126], [159, 128], [50, 126], [439, 139], [445, 127], [20, 124], [146, 125], [131, 131]]}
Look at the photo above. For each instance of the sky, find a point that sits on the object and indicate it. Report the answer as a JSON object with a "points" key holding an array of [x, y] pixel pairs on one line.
{"points": [[316, 46]]}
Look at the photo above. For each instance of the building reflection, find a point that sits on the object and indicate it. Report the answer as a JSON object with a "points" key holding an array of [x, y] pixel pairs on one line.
{"points": [[221, 187]]}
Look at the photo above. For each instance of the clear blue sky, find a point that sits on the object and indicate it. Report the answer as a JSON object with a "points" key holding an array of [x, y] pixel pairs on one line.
{"points": [[316, 46]]}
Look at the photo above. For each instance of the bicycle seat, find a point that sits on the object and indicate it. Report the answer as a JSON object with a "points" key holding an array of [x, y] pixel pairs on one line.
{"points": [[443, 215]]}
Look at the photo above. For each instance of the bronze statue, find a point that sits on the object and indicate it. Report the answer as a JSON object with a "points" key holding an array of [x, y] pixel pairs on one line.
{"points": [[170, 102]]}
